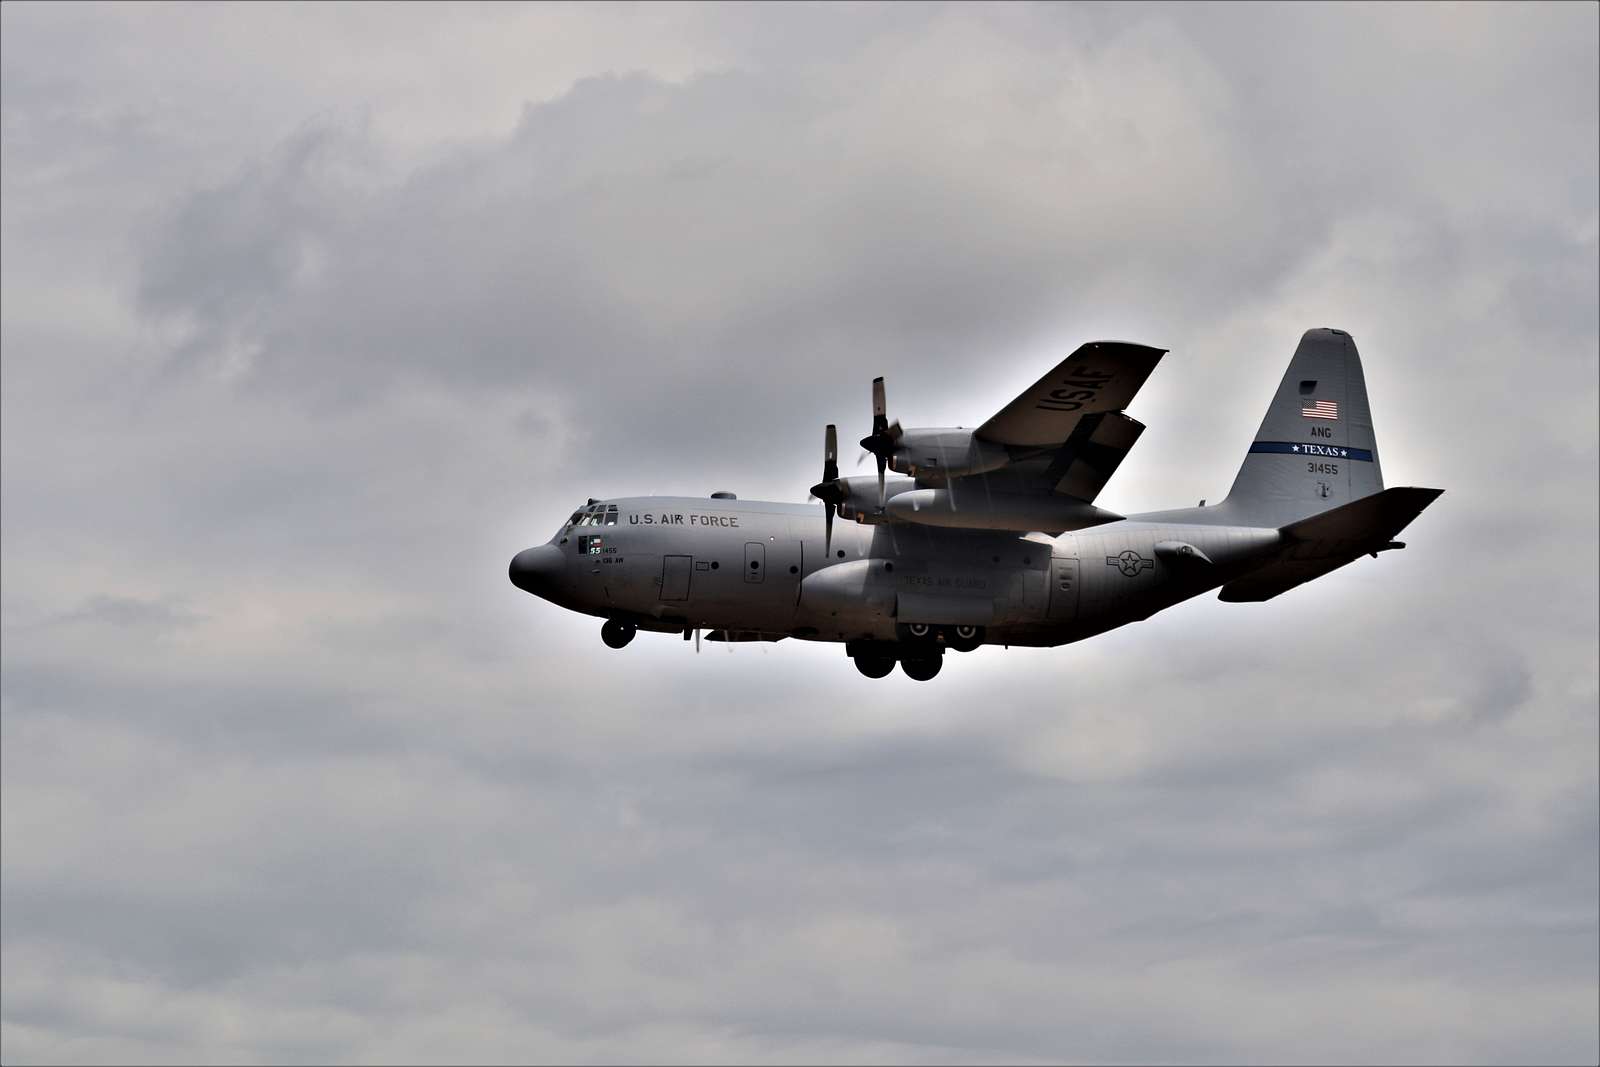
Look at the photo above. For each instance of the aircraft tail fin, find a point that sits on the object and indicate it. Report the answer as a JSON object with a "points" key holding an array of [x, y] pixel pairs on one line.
{"points": [[1315, 449], [1327, 541]]}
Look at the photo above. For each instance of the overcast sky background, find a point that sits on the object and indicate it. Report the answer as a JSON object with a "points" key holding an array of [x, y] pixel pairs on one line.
{"points": [[313, 316]]}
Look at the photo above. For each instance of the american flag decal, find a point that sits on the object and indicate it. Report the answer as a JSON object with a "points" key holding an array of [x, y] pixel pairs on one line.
{"points": [[1321, 409]]}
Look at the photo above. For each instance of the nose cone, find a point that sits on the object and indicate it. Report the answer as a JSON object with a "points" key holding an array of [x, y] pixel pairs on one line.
{"points": [[535, 570]]}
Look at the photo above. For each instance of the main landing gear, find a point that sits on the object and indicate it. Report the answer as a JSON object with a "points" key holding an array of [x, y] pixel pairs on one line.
{"points": [[961, 638], [617, 634], [964, 638], [919, 649], [874, 666], [877, 659]]}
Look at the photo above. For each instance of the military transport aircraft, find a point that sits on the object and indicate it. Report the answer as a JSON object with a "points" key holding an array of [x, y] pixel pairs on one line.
{"points": [[992, 536]]}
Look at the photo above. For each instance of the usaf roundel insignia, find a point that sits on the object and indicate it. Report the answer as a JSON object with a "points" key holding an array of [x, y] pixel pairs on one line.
{"points": [[1130, 562]]}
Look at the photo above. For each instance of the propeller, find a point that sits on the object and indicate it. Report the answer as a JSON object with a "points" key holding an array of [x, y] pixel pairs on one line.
{"points": [[829, 491], [882, 440]]}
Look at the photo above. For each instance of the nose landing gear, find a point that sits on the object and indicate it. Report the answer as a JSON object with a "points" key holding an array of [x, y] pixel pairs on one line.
{"points": [[617, 634]]}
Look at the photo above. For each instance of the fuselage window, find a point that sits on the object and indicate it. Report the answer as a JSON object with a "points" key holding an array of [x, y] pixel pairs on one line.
{"points": [[611, 514]]}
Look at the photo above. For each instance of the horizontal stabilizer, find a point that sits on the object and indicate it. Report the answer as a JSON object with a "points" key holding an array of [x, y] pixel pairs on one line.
{"points": [[1361, 523], [1323, 543]]}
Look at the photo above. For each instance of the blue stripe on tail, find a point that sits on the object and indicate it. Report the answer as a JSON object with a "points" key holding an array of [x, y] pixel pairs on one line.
{"points": [[1308, 449]]}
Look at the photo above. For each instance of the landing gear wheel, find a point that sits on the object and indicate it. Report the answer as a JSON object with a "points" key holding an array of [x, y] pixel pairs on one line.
{"points": [[921, 669], [919, 630], [966, 638], [874, 666], [617, 634]]}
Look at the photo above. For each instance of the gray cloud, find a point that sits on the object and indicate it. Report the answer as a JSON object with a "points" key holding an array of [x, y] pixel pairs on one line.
{"points": [[312, 318]]}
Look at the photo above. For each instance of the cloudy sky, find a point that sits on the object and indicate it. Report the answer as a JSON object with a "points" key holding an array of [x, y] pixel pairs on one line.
{"points": [[313, 316]]}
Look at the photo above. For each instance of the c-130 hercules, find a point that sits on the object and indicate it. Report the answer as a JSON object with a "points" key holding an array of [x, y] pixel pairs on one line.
{"points": [[991, 536]]}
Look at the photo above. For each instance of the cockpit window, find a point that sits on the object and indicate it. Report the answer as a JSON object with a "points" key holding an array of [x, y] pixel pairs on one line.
{"points": [[596, 515]]}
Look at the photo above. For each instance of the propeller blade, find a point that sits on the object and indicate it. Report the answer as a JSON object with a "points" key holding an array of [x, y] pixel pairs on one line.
{"points": [[697, 641], [829, 491], [883, 437]]}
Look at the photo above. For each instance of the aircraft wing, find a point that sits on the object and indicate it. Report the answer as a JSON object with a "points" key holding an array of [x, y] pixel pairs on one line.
{"points": [[1069, 426], [1086, 461], [1100, 377]]}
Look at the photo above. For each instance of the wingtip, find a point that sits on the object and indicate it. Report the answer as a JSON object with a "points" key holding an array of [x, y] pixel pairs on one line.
{"points": [[1130, 345]]}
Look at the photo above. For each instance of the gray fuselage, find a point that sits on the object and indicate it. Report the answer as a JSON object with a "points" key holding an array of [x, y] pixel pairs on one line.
{"points": [[756, 569]]}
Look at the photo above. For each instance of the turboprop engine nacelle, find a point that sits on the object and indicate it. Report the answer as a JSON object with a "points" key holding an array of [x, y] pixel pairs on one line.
{"points": [[934, 456], [860, 501], [975, 509]]}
